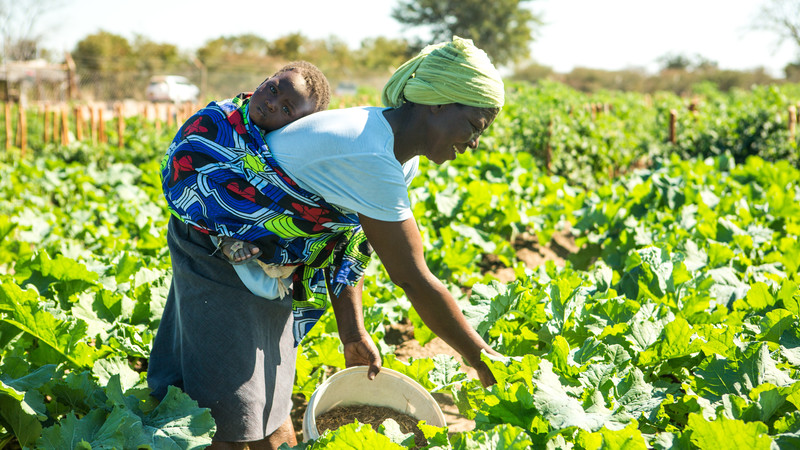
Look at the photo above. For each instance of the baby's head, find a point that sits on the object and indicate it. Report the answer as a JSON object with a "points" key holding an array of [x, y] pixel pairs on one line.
{"points": [[296, 90]]}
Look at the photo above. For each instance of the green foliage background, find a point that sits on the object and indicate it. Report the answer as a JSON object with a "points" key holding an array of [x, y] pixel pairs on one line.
{"points": [[674, 326]]}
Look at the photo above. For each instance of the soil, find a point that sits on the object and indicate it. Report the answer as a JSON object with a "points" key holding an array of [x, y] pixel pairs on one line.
{"points": [[370, 415], [401, 335]]}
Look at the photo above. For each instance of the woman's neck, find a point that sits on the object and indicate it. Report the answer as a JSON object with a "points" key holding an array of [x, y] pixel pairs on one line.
{"points": [[403, 121]]}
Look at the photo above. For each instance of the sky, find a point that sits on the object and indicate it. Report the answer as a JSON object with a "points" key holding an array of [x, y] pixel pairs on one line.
{"points": [[600, 34]]}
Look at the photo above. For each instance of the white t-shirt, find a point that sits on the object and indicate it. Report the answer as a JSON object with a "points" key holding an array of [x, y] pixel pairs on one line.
{"points": [[345, 156]]}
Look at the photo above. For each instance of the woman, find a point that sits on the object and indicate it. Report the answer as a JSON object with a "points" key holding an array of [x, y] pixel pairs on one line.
{"points": [[341, 173]]}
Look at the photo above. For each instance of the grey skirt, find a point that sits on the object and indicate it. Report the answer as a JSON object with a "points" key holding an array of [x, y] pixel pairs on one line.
{"points": [[229, 350]]}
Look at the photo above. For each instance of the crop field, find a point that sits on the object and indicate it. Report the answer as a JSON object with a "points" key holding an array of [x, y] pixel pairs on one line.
{"points": [[669, 320]]}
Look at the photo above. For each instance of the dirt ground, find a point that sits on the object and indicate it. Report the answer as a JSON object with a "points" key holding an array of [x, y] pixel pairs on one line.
{"points": [[402, 334]]}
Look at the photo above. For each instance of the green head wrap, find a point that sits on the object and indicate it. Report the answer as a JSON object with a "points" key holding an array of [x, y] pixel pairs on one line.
{"points": [[450, 72]]}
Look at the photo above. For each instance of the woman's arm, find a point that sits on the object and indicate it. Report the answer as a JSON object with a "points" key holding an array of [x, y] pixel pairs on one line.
{"points": [[359, 349], [399, 246]]}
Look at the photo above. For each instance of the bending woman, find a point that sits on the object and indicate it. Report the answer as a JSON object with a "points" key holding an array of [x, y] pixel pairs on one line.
{"points": [[333, 178]]}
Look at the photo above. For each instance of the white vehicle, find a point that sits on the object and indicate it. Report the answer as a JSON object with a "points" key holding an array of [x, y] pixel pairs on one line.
{"points": [[171, 88]]}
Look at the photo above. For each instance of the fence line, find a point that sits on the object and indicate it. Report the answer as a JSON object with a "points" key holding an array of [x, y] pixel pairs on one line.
{"points": [[60, 124], [57, 128]]}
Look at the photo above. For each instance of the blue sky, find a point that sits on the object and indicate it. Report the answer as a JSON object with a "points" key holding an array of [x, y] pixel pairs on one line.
{"points": [[607, 34]]}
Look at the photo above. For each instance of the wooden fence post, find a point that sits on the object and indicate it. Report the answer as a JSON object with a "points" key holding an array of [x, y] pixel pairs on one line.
{"points": [[792, 121], [22, 131], [120, 125], [146, 122], [101, 131], [79, 123], [93, 125], [157, 110], [9, 132], [64, 126], [46, 123], [56, 121], [673, 117]]}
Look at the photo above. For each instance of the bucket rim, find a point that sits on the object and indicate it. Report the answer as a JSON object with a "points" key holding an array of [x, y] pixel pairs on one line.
{"points": [[309, 418]]}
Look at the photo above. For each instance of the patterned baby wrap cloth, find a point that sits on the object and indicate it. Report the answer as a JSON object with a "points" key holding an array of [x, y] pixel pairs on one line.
{"points": [[219, 176]]}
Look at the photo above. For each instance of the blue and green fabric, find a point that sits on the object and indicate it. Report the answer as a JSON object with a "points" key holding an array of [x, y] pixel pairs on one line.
{"points": [[219, 176]]}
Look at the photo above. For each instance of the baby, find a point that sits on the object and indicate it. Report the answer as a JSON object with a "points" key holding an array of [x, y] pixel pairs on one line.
{"points": [[294, 91]]}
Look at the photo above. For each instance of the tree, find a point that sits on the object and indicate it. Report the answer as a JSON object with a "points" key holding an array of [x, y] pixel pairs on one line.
{"points": [[152, 57], [105, 65], [383, 54], [103, 52], [685, 63], [18, 25], [289, 46], [781, 17], [502, 28], [675, 62]]}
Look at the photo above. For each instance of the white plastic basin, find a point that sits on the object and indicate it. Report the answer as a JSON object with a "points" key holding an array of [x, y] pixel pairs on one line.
{"points": [[390, 389]]}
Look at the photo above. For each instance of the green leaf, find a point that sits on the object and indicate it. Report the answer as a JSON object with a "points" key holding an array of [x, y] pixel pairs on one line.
{"points": [[178, 423], [326, 350], [719, 254], [718, 376], [758, 298], [445, 372], [117, 366], [496, 301], [61, 276], [603, 276], [638, 398], [762, 368], [475, 237], [97, 429], [567, 298], [513, 370], [562, 410], [724, 433], [727, 287], [695, 258], [64, 336], [502, 436], [416, 368], [391, 429], [32, 380], [510, 404], [22, 406], [18, 410], [126, 266], [422, 333], [436, 436], [790, 346], [307, 375], [355, 436], [628, 438], [79, 391], [559, 356], [672, 441], [774, 324], [676, 341], [789, 295]]}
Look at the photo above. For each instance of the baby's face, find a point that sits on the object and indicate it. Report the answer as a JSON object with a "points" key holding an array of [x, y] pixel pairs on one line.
{"points": [[279, 100]]}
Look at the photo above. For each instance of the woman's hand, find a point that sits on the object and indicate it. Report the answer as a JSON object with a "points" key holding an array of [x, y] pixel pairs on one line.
{"points": [[359, 349], [484, 373], [363, 352]]}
